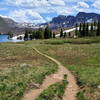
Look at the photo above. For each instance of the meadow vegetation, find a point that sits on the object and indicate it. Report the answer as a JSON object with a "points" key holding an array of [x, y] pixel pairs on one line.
{"points": [[21, 69], [82, 57], [54, 92]]}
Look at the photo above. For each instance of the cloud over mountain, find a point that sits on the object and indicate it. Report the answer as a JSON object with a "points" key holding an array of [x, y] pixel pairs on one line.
{"points": [[43, 10]]}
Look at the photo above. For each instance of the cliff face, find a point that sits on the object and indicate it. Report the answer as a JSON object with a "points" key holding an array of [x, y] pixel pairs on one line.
{"points": [[3, 26], [69, 21], [7, 24]]}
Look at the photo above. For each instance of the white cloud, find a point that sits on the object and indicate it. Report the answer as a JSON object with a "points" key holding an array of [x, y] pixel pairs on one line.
{"points": [[32, 10], [96, 4], [83, 5], [57, 2], [26, 16]]}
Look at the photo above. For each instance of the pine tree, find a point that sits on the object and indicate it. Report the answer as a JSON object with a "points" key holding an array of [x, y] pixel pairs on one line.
{"points": [[76, 30], [83, 30], [54, 35], [34, 35], [39, 34], [95, 28], [10, 35], [80, 29], [61, 33], [64, 35], [91, 30], [98, 28], [87, 29], [47, 33], [26, 35]]}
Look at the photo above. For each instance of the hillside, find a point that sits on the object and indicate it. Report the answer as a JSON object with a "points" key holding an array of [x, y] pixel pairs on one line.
{"points": [[4, 27]]}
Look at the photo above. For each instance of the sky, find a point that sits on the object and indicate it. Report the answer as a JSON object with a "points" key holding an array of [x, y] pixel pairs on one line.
{"points": [[40, 11]]}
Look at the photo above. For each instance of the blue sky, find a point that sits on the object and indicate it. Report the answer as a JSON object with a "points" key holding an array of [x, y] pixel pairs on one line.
{"points": [[39, 11]]}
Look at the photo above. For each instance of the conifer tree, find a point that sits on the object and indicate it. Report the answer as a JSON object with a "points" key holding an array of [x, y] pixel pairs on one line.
{"points": [[87, 29], [76, 30], [98, 28], [91, 30], [26, 36], [61, 33], [64, 35], [54, 35], [83, 30], [10, 35], [80, 29], [39, 34], [47, 33]]}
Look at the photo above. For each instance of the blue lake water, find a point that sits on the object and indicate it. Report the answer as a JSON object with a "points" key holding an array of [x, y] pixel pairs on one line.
{"points": [[4, 38]]}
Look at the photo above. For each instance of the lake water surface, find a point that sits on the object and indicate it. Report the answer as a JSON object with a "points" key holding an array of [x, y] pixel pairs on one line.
{"points": [[4, 38]]}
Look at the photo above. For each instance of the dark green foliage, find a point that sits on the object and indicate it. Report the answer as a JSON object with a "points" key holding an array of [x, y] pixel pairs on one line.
{"points": [[47, 33], [98, 28], [76, 31], [34, 35], [54, 35], [61, 33], [26, 35], [92, 30], [80, 29], [10, 34], [87, 29], [83, 31], [69, 34], [39, 34], [64, 35]]}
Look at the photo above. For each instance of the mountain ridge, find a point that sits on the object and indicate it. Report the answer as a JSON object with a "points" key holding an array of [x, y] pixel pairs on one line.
{"points": [[63, 21]]}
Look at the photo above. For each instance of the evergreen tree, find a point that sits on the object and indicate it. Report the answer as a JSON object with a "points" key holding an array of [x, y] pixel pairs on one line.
{"points": [[10, 35], [47, 33], [91, 30], [98, 28], [87, 29], [34, 35], [54, 35], [76, 30], [84, 30], [50, 33], [31, 37], [26, 35], [39, 34], [64, 35], [80, 29], [61, 33], [69, 34]]}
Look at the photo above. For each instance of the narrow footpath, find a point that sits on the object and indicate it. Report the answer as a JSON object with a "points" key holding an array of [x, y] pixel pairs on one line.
{"points": [[72, 87]]}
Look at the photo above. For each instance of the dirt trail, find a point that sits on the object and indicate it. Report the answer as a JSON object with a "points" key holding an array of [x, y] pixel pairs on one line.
{"points": [[71, 90]]}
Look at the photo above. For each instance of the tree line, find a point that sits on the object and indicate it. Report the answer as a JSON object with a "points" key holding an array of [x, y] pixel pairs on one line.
{"points": [[39, 34], [88, 29]]}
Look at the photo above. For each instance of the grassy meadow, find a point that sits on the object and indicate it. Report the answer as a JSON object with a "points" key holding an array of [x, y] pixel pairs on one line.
{"points": [[21, 69], [54, 92], [82, 57]]}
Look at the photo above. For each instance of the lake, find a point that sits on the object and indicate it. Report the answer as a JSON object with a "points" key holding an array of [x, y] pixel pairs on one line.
{"points": [[4, 38]]}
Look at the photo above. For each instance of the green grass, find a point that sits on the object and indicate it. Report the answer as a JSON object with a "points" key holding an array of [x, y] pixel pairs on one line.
{"points": [[54, 92], [81, 56], [83, 59], [21, 69], [58, 41]]}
